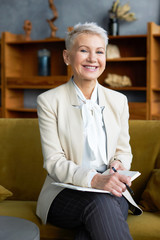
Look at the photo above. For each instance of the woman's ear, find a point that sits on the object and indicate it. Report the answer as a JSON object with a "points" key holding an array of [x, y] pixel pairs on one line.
{"points": [[66, 57]]}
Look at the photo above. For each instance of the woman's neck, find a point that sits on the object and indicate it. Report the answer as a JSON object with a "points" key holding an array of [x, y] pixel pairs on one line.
{"points": [[86, 87]]}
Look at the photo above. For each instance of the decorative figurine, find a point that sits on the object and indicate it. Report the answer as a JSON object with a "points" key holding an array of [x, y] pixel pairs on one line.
{"points": [[115, 80], [55, 16], [27, 28], [70, 29], [113, 51]]}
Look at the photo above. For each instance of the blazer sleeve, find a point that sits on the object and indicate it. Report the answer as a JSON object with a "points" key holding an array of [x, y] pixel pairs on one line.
{"points": [[58, 166]]}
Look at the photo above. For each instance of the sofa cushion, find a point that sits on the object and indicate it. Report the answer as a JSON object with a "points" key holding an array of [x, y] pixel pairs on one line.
{"points": [[4, 193], [145, 143], [26, 210], [145, 226], [21, 169], [150, 200]]}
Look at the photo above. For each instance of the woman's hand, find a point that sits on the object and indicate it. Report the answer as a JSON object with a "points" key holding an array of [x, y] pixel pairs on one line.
{"points": [[117, 165], [113, 182]]}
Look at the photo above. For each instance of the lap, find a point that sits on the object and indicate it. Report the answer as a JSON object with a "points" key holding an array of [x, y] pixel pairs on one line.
{"points": [[68, 207]]}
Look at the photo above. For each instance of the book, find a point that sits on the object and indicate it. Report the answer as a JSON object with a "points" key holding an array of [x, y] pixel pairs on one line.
{"points": [[132, 174], [84, 189]]}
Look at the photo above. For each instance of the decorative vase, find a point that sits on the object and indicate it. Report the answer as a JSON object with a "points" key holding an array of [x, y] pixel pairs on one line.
{"points": [[44, 62], [113, 26]]}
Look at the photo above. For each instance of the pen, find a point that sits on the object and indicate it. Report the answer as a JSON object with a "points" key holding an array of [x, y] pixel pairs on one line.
{"points": [[129, 189]]}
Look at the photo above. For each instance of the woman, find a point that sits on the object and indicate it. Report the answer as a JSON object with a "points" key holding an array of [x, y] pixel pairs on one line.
{"points": [[84, 131]]}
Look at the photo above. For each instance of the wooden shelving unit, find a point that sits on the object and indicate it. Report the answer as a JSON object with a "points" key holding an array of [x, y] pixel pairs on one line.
{"points": [[140, 60], [153, 70], [132, 63], [21, 71]]}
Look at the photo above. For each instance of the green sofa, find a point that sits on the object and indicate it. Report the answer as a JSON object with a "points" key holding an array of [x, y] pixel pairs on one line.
{"points": [[21, 172]]}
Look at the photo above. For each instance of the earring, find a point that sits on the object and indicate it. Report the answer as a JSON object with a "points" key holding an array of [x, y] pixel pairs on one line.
{"points": [[67, 64]]}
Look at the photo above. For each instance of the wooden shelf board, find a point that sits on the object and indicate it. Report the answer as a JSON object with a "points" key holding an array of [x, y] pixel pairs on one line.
{"points": [[17, 39], [22, 109], [47, 40], [128, 36], [156, 89], [129, 88], [138, 103], [156, 35], [35, 82], [126, 59], [155, 116], [33, 87]]}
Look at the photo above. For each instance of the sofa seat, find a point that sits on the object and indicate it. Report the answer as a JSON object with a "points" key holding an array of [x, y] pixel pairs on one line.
{"points": [[26, 210], [146, 226]]}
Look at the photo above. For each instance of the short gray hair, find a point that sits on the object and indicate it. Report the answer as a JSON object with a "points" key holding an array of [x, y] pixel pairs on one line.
{"points": [[90, 28]]}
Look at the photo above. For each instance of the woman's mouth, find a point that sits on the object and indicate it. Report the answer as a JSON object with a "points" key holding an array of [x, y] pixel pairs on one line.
{"points": [[90, 67]]}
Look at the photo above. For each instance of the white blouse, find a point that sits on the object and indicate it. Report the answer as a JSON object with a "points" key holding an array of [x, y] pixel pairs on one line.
{"points": [[95, 142]]}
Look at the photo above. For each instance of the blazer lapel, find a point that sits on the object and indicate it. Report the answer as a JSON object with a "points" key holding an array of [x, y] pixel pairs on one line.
{"points": [[108, 119], [75, 124]]}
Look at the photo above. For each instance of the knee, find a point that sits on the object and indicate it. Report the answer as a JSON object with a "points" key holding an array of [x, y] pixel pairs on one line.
{"points": [[102, 199], [100, 203]]}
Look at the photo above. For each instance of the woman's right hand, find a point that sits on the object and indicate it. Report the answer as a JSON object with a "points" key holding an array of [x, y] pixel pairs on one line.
{"points": [[113, 183]]}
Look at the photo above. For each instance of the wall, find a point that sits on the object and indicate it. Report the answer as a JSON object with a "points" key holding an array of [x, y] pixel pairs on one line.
{"points": [[14, 12]]}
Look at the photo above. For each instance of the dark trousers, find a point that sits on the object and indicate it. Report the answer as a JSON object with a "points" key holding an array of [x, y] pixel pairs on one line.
{"points": [[96, 216]]}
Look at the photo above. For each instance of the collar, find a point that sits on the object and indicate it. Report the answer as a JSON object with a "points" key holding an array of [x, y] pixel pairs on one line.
{"points": [[94, 96]]}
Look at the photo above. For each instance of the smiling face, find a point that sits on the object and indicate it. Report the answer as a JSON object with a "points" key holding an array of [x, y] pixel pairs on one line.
{"points": [[87, 57]]}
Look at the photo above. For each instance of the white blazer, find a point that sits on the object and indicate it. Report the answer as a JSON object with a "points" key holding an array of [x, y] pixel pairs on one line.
{"points": [[61, 130]]}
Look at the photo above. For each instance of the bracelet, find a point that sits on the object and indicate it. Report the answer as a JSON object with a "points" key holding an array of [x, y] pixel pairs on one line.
{"points": [[114, 159]]}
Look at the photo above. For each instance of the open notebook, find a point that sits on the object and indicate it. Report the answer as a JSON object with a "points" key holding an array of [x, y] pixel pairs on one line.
{"points": [[132, 174]]}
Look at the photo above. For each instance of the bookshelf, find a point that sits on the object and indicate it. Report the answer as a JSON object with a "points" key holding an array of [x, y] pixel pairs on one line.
{"points": [[139, 59], [21, 72], [153, 70], [132, 63]]}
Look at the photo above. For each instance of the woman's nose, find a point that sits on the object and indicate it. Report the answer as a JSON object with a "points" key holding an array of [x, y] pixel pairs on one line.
{"points": [[92, 57]]}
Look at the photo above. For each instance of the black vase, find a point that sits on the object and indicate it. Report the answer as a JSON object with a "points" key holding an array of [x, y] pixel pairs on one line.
{"points": [[44, 62], [113, 27]]}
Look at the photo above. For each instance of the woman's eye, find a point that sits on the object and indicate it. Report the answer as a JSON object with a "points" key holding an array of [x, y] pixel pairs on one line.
{"points": [[83, 50], [100, 52]]}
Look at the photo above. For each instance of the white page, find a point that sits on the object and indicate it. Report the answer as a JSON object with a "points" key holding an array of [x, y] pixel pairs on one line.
{"points": [[73, 187], [132, 174]]}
